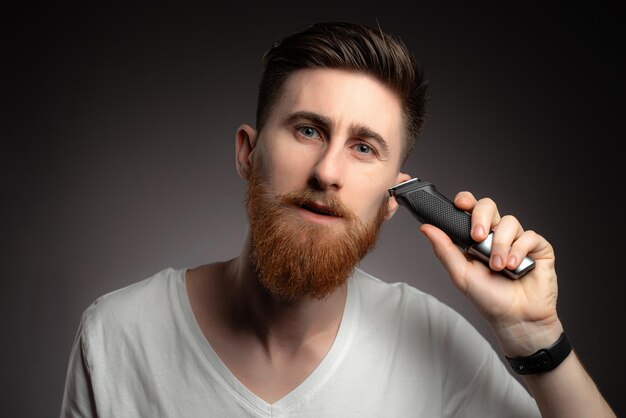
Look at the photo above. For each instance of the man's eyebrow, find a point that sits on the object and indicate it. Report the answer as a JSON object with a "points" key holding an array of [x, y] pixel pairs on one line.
{"points": [[316, 118], [360, 131]]}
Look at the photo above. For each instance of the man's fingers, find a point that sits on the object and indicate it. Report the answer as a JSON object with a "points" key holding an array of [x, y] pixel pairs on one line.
{"points": [[509, 229], [484, 212], [452, 258]]}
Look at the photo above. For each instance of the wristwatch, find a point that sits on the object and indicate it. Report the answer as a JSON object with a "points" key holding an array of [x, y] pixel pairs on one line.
{"points": [[543, 360]]}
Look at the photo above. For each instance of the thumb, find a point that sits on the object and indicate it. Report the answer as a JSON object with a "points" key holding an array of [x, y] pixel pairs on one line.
{"points": [[450, 256]]}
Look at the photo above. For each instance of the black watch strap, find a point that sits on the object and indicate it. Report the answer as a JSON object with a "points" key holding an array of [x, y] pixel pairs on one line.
{"points": [[543, 360]]}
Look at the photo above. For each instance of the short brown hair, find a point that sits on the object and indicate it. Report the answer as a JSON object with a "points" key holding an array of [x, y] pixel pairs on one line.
{"points": [[351, 47]]}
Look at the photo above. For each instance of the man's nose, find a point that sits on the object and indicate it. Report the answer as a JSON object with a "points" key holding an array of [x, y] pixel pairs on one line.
{"points": [[328, 172]]}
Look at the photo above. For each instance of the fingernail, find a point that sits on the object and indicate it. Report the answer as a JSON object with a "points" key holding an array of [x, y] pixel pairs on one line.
{"points": [[478, 231], [512, 261], [497, 261]]}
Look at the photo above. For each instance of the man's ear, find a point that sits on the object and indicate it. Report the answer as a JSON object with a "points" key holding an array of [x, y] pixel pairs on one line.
{"points": [[392, 205], [245, 141]]}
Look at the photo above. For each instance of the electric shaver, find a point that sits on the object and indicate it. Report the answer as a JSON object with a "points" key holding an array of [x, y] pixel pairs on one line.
{"points": [[427, 205]]}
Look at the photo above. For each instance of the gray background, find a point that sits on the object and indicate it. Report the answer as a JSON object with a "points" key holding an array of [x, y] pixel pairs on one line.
{"points": [[117, 156]]}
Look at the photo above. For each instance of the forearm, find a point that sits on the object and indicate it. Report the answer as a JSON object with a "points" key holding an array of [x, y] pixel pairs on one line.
{"points": [[568, 391], [565, 391]]}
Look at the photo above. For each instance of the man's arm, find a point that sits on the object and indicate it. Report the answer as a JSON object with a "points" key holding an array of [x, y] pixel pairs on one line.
{"points": [[521, 312], [78, 396], [568, 391]]}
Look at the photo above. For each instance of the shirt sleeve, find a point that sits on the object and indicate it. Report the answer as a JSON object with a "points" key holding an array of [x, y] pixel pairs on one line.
{"points": [[78, 395], [477, 382]]}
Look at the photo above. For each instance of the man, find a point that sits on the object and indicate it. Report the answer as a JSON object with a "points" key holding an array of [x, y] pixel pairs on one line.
{"points": [[291, 327]]}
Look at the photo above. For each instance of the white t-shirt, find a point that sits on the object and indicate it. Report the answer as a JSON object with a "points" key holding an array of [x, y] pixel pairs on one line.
{"points": [[399, 352]]}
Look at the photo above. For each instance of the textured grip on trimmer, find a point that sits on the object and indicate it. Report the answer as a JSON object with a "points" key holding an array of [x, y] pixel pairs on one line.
{"points": [[431, 207], [437, 210]]}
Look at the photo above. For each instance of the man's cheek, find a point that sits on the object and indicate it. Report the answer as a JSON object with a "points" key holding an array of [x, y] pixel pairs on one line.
{"points": [[283, 175]]}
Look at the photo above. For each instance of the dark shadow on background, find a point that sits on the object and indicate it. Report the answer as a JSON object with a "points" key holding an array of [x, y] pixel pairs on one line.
{"points": [[117, 157]]}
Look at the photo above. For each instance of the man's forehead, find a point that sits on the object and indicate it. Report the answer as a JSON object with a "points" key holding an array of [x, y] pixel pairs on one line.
{"points": [[345, 98]]}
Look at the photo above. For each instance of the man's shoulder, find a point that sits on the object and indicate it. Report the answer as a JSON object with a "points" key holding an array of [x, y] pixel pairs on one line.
{"points": [[399, 305], [374, 287], [138, 299], [394, 298]]}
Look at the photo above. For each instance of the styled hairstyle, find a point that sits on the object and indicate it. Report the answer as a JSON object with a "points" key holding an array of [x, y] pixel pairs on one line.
{"points": [[352, 47]]}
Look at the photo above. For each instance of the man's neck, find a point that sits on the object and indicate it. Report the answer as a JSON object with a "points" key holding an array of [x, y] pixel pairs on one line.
{"points": [[270, 345], [252, 308], [229, 300]]}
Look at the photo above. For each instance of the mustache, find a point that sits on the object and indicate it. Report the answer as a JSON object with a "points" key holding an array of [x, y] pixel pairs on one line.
{"points": [[310, 198]]}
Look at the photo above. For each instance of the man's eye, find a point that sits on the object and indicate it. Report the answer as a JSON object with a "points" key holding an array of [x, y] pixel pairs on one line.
{"points": [[363, 148], [309, 132]]}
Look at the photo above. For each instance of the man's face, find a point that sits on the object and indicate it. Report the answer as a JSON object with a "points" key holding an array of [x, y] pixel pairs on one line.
{"points": [[325, 158]]}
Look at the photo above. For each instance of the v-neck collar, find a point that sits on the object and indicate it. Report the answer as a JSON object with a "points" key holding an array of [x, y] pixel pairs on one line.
{"points": [[312, 383]]}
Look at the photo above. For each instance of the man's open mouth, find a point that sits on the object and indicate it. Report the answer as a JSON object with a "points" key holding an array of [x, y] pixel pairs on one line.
{"points": [[319, 209]]}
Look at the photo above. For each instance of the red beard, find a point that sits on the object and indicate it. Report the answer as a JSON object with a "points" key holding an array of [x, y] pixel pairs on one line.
{"points": [[296, 259]]}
